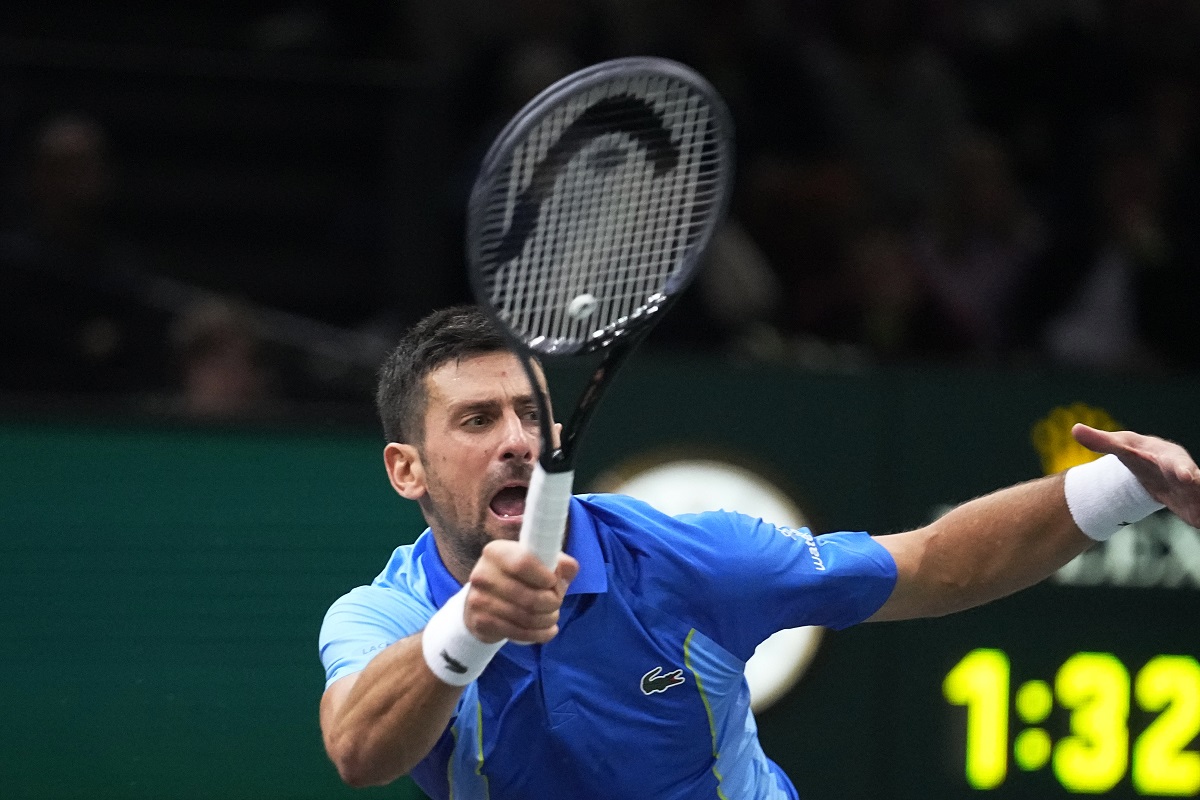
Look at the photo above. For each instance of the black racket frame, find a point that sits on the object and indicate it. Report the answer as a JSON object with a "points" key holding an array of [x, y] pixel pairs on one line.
{"points": [[617, 341]]}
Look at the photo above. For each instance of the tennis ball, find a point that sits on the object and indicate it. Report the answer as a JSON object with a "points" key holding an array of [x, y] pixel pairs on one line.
{"points": [[583, 306]]}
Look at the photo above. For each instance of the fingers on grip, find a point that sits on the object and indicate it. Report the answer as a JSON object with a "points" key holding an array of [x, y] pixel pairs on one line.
{"points": [[513, 596]]}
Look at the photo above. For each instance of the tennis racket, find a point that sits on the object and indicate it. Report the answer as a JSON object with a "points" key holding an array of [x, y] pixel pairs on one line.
{"points": [[590, 214]]}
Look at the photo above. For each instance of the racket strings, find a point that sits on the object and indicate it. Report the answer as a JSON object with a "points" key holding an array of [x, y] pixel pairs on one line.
{"points": [[610, 229]]}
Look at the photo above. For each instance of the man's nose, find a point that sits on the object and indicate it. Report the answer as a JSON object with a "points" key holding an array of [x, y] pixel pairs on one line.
{"points": [[519, 442]]}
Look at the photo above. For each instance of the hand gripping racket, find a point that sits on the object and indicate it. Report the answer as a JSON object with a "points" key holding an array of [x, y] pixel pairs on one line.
{"points": [[590, 214]]}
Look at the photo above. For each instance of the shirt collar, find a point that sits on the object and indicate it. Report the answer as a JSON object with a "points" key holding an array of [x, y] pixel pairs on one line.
{"points": [[583, 544]]}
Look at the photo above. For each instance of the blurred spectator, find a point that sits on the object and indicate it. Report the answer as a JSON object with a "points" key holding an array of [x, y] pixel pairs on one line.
{"points": [[977, 246], [748, 52], [219, 362], [870, 111], [892, 104], [738, 287], [891, 312], [802, 215], [1172, 292], [1100, 326], [1122, 294], [70, 316], [1030, 237], [732, 303]]}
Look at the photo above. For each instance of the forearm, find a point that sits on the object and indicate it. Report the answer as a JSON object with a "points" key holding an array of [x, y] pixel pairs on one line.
{"points": [[392, 717], [379, 723], [982, 550]]}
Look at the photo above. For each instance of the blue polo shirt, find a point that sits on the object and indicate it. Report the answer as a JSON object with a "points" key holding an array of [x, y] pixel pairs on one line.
{"points": [[642, 693]]}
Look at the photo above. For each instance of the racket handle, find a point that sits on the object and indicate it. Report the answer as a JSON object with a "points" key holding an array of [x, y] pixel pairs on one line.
{"points": [[545, 520]]}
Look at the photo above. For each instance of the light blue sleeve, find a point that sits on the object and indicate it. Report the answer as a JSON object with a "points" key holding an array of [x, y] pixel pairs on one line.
{"points": [[361, 623]]}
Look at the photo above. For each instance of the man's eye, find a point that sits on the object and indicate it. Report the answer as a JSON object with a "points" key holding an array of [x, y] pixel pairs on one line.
{"points": [[531, 415], [477, 421]]}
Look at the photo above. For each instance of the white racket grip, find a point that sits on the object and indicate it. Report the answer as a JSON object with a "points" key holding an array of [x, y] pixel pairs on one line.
{"points": [[544, 523]]}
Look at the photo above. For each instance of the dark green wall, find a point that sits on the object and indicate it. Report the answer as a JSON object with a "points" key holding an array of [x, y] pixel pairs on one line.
{"points": [[161, 593], [161, 586]]}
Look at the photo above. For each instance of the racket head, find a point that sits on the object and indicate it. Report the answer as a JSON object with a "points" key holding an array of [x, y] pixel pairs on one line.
{"points": [[593, 207]]}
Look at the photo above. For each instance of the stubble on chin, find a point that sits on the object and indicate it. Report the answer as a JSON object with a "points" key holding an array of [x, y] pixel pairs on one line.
{"points": [[464, 544]]}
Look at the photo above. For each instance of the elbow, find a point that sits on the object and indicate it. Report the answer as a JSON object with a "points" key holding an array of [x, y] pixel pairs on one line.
{"points": [[952, 586], [931, 583], [950, 596], [355, 775], [352, 778], [357, 768], [357, 780], [354, 771]]}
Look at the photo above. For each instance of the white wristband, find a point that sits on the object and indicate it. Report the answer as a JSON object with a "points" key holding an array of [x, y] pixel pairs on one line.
{"points": [[1103, 496], [451, 651]]}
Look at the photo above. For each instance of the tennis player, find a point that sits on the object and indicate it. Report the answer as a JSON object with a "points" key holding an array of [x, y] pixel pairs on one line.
{"points": [[633, 684]]}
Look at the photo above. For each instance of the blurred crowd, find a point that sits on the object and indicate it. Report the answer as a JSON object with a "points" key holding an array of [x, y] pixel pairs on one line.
{"points": [[1000, 182]]}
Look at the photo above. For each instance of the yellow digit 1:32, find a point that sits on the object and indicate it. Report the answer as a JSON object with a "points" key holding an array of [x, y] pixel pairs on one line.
{"points": [[1096, 689]]}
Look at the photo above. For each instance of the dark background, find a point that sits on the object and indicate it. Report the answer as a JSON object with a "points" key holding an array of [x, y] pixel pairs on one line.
{"points": [[949, 219], [220, 210]]}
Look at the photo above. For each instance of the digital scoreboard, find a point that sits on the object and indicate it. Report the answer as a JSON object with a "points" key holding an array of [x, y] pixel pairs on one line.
{"points": [[1088, 685], [1097, 693]]}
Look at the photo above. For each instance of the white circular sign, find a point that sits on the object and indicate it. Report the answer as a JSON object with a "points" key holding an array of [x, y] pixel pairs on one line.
{"points": [[692, 485]]}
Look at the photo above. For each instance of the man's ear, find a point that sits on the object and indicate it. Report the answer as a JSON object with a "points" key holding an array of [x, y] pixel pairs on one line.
{"points": [[556, 435], [405, 470]]}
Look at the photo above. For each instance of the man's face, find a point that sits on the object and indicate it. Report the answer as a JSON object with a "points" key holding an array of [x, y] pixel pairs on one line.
{"points": [[481, 442]]}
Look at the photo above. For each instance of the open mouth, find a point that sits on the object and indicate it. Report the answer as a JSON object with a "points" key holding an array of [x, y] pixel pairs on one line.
{"points": [[509, 502]]}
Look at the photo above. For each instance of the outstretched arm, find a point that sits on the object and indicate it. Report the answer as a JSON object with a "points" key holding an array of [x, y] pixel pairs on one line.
{"points": [[1006, 541]]}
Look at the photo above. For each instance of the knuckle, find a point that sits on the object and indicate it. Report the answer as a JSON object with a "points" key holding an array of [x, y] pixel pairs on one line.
{"points": [[483, 626], [540, 619], [543, 602], [527, 635], [477, 605], [537, 573], [485, 570], [475, 602], [502, 552], [516, 559], [540, 635], [481, 582]]}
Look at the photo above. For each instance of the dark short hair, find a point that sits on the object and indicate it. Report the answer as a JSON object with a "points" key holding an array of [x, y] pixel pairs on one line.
{"points": [[446, 335]]}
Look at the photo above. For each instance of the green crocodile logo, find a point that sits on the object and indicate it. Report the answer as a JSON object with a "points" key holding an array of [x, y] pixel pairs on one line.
{"points": [[653, 681]]}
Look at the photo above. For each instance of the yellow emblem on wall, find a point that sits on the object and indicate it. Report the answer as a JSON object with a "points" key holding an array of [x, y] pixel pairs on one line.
{"points": [[1053, 440]]}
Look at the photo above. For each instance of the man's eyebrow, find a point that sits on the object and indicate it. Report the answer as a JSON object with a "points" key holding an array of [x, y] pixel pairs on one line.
{"points": [[489, 404], [464, 406]]}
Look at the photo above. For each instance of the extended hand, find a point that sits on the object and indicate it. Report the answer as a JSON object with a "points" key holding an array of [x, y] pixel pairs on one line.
{"points": [[1164, 468], [514, 596]]}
